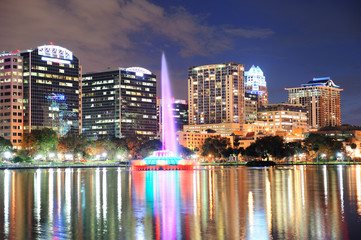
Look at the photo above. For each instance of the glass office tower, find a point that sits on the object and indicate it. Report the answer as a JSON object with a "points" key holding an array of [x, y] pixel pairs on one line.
{"points": [[51, 89], [119, 103]]}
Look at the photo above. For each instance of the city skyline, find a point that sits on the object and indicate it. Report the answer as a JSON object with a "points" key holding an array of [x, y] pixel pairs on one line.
{"points": [[291, 44]]}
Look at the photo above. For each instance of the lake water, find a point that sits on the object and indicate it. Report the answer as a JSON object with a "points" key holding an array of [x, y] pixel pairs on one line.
{"points": [[299, 202]]}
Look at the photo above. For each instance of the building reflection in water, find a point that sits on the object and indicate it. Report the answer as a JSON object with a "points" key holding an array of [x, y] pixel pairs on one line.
{"points": [[302, 202]]}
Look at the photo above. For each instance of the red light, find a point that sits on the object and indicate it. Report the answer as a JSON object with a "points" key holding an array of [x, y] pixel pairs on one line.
{"points": [[51, 43], [18, 50]]}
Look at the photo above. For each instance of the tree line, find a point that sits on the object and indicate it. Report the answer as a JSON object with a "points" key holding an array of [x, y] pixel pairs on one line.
{"points": [[274, 147], [45, 143]]}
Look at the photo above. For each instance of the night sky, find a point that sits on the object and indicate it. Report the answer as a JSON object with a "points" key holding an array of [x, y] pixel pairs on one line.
{"points": [[292, 41]]}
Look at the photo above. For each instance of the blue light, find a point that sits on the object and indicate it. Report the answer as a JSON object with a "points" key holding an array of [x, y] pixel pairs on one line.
{"points": [[57, 97]]}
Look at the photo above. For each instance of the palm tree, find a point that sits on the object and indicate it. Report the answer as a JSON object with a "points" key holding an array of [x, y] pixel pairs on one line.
{"points": [[353, 147]]}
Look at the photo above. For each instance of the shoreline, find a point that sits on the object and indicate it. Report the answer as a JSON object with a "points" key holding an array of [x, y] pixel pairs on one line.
{"points": [[126, 165], [46, 166]]}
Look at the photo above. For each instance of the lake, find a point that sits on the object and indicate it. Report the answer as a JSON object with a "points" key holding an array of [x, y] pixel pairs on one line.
{"points": [[296, 202]]}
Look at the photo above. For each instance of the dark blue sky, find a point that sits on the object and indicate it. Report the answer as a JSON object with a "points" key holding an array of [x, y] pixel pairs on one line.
{"points": [[292, 41]]}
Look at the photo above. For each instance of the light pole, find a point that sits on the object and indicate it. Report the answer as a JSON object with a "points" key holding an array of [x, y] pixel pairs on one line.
{"points": [[7, 155], [340, 155]]}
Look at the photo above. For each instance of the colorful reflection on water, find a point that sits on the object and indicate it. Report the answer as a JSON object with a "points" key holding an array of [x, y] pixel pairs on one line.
{"points": [[299, 202]]}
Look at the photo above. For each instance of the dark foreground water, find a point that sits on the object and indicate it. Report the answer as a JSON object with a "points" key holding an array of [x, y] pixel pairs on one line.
{"points": [[301, 202]]}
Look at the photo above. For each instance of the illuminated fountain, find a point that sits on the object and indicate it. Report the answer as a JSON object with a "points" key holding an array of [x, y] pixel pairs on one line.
{"points": [[167, 158]]}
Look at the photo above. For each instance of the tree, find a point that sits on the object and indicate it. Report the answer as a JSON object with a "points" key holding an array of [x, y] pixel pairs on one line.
{"points": [[293, 148], [28, 143], [267, 146], [316, 143], [40, 141], [5, 145], [133, 144], [148, 147], [353, 147], [214, 146], [74, 144], [251, 151], [46, 141], [185, 152], [107, 146]]}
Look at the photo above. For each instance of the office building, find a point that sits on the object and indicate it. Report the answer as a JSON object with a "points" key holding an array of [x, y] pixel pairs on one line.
{"points": [[119, 103], [321, 97], [180, 114], [11, 98], [286, 120], [250, 107], [51, 89], [216, 93], [255, 83]]}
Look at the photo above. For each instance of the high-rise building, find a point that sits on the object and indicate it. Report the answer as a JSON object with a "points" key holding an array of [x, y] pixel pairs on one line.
{"points": [[11, 97], [119, 103], [51, 89], [255, 83], [180, 114], [216, 93], [250, 107], [321, 97], [180, 110]]}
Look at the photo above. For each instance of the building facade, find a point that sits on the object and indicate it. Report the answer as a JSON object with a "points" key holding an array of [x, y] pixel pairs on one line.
{"points": [[286, 120], [250, 107], [216, 93], [11, 98], [180, 114], [321, 97], [51, 89], [194, 140], [256, 84], [119, 103], [223, 129]]}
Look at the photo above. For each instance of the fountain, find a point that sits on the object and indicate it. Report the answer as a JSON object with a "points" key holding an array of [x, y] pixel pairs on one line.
{"points": [[167, 158]]}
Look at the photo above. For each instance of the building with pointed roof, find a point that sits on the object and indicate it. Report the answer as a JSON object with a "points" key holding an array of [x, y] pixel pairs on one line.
{"points": [[256, 84]]}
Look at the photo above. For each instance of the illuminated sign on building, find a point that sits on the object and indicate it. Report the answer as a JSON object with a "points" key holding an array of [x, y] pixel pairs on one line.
{"points": [[55, 60], [56, 96], [139, 71], [55, 54]]}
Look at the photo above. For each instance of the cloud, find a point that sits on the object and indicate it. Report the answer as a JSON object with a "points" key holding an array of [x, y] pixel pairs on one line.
{"points": [[250, 33], [113, 31]]}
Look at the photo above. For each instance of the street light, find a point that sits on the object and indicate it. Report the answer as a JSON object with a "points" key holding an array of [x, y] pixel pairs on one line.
{"points": [[7, 155], [38, 157], [51, 155], [68, 156], [340, 155]]}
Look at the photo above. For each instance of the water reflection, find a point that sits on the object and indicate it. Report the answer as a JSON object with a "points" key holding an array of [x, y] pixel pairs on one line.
{"points": [[215, 203]]}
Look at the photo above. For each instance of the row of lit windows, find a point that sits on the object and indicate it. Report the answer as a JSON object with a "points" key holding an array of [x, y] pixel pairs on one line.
{"points": [[9, 59], [9, 66], [54, 76], [9, 74], [11, 80]]}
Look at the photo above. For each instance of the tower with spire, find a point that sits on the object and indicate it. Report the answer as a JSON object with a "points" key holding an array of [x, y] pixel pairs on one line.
{"points": [[256, 84]]}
